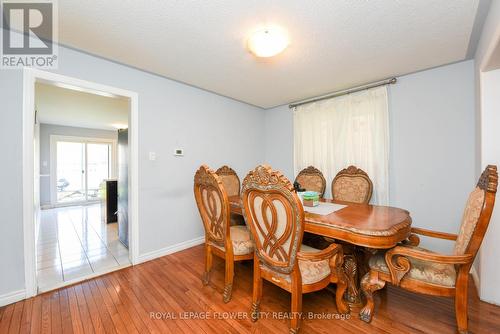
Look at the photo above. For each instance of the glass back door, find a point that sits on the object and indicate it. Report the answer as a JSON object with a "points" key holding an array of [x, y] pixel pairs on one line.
{"points": [[81, 167], [70, 172], [98, 168]]}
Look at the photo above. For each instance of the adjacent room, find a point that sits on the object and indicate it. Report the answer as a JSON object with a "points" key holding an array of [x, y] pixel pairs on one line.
{"points": [[250, 166], [81, 142]]}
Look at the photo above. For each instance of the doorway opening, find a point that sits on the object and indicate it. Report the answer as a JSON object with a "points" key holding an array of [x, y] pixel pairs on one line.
{"points": [[82, 175]]}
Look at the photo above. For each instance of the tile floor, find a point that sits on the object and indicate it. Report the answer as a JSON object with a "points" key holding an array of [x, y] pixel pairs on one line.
{"points": [[74, 242]]}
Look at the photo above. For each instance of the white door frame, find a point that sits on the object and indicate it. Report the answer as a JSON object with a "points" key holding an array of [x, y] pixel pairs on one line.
{"points": [[30, 76], [53, 162]]}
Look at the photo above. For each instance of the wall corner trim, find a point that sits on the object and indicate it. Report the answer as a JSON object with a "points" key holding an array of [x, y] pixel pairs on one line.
{"points": [[12, 297], [170, 249]]}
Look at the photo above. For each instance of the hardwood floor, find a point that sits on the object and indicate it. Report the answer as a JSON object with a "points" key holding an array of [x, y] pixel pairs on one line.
{"points": [[171, 287]]}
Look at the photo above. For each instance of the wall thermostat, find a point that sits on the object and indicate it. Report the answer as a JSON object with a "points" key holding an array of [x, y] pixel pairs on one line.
{"points": [[178, 152]]}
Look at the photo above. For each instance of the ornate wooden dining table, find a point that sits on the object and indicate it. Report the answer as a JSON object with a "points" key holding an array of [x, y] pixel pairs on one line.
{"points": [[365, 227]]}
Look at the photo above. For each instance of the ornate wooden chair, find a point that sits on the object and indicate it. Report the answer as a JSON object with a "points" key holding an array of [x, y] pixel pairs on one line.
{"points": [[230, 180], [312, 179], [422, 271], [275, 217], [352, 185], [231, 243], [231, 183]]}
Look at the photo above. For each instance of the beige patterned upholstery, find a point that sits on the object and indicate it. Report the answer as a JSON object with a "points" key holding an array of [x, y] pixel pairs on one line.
{"points": [[240, 237], [311, 179], [469, 220], [311, 271], [351, 189], [429, 272], [230, 180], [231, 184], [311, 183]]}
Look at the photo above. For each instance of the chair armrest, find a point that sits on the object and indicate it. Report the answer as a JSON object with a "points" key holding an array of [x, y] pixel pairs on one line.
{"points": [[428, 256], [324, 254], [399, 264], [434, 234]]}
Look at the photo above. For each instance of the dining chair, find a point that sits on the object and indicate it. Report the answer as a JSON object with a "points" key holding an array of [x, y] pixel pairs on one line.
{"points": [[231, 243], [312, 179], [230, 180], [423, 271], [352, 184], [275, 217], [231, 183]]}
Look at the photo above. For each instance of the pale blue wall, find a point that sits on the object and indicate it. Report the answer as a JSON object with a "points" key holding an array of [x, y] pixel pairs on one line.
{"points": [[212, 129], [432, 130], [432, 166], [11, 195]]}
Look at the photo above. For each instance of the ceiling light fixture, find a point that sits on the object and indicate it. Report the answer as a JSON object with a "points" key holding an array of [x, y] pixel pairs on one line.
{"points": [[268, 42]]}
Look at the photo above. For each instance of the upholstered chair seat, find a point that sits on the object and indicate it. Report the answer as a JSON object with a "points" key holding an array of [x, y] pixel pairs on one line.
{"points": [[310, 271], [429, 272], [241, 240], [313, 271]]}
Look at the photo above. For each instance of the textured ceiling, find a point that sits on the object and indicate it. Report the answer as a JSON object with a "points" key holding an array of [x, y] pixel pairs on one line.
{"points": [[334, 44]]}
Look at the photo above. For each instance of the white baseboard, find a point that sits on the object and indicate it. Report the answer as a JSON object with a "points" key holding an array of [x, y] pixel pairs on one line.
{"points": [[475, 277], [12, 297], [170, 249]]}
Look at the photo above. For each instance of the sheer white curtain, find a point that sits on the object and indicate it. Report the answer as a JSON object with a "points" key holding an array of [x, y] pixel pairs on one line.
{"points": [[346, 130]]}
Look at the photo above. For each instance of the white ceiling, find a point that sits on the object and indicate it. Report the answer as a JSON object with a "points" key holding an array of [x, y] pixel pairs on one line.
{"points": [[61, 106], [334, 44]]}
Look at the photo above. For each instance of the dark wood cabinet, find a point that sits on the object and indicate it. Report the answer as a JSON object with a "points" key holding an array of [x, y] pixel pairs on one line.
{"points": [[109, 202]]}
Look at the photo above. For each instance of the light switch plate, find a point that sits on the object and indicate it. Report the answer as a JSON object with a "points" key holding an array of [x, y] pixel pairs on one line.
{"points": [[152, 156]]}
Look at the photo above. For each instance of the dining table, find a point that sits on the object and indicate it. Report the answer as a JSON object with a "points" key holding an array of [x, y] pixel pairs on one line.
{"points": [[363, 228]]}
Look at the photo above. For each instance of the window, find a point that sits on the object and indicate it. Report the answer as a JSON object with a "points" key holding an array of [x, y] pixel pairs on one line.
{"points": [[347, 130]]}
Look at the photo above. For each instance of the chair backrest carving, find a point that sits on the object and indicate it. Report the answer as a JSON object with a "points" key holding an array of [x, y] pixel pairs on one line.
{"points": [[312, 179], [230, 180], [352, 184], [275, 217], [477, 214], [213, 204]]}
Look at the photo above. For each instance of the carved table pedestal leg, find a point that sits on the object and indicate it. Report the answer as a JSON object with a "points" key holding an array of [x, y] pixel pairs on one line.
{"points": [[354, 267]]}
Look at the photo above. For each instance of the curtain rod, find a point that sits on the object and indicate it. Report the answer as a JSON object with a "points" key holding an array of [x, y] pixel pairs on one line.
{"points": [[344, 92]]}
